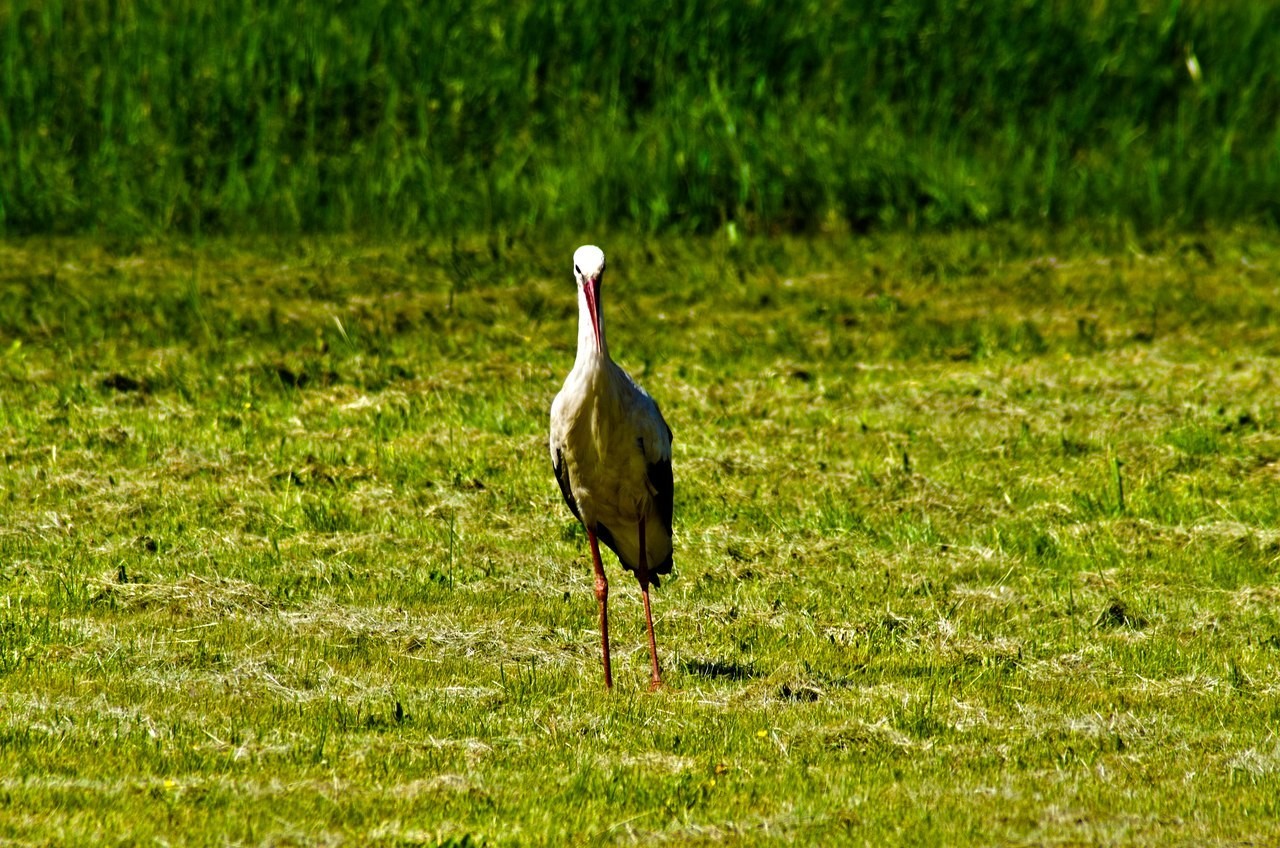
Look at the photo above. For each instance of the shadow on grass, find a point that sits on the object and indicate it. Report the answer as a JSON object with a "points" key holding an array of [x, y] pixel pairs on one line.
{"points": [[719, 669]]}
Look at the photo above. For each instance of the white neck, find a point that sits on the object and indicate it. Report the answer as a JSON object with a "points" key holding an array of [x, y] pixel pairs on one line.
{"points": [[587, 352]]}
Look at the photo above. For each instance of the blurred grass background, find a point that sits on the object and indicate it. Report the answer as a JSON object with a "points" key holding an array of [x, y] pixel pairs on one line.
{"points": [[513, 117]]}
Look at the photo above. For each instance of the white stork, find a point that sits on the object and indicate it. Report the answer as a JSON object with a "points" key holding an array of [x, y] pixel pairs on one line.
{"points": [[611, 450]]}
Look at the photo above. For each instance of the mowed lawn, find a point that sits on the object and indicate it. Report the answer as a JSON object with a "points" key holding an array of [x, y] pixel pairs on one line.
{"points": [[977, 541]]}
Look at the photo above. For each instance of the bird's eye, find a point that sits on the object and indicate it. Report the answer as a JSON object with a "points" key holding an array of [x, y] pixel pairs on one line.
{"points": [[576, 268]]}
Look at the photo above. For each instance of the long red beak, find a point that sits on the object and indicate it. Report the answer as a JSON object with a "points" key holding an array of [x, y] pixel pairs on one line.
{"points": [[592, 290]]}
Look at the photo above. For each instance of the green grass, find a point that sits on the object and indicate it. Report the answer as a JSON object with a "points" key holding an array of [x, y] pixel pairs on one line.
{"points": [[975, 544], [513, 118]]}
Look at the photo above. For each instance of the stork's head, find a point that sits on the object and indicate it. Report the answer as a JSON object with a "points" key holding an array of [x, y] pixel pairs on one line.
{"points": [[588, 268], [588, 263]]}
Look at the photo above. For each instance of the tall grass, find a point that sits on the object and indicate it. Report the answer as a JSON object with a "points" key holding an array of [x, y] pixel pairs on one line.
{"points": [[512, 116]]}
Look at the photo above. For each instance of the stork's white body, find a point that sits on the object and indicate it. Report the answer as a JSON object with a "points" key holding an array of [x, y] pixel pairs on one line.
{"points": [[608, 433], [611, 450]]}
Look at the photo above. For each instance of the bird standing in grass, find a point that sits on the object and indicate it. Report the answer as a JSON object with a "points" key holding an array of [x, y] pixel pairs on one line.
{"points": [[611, 450]]}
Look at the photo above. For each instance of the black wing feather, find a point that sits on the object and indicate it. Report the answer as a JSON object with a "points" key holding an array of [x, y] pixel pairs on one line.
{"points": [[562, 477], [661, 478], [664, 484]]}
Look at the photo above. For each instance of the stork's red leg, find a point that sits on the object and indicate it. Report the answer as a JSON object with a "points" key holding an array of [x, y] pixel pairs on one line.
{"points": [[643, 575], [602, 597]]}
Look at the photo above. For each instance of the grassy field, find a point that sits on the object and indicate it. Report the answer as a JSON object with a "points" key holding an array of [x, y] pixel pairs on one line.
{"points": [[512, 116], [976, 544]]}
